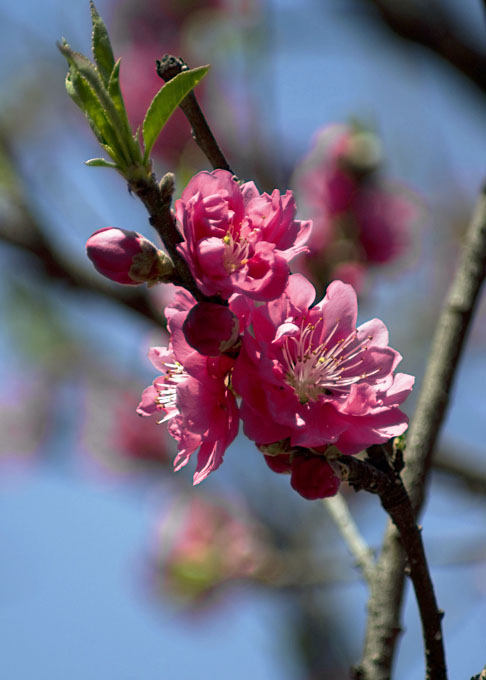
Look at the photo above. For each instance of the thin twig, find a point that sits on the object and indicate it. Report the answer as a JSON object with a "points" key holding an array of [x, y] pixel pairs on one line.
{"points": [[362, 553], [167, 68], [387, 586]]}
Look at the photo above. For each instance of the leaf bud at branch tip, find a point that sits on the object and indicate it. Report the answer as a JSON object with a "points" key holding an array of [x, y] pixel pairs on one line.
{"points": [[167, 185]]}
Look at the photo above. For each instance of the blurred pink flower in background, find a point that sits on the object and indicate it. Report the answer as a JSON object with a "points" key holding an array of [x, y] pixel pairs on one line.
{"points": [[26, 418], [136, 439], [115, 438], [359, 220], [200, 545]]}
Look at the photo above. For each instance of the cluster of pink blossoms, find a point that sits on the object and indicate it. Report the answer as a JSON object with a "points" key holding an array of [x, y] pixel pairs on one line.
{"points": [[301, 376]]}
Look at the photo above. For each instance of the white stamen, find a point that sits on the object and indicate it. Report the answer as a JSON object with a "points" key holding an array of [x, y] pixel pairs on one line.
{"points": [[313, 370], [167, 391]]}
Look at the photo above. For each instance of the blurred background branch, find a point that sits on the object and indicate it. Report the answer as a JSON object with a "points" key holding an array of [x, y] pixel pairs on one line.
{"points": [[431, 25], [21, 229]]}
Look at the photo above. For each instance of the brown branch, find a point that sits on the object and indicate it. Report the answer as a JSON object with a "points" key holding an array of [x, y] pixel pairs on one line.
{"points": [[434, 30], [157, 199], [387, 586], [167, 68], [362, 553], [381, 475]]}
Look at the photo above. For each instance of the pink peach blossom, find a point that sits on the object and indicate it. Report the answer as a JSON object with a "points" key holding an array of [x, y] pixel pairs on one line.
{"points": [[383, 217], [192, 395], [307, 374], [236, 239]]}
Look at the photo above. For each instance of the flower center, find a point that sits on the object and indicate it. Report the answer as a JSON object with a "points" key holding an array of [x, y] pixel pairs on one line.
{"points": [[167, 390], [315, 369], [235, 253]]}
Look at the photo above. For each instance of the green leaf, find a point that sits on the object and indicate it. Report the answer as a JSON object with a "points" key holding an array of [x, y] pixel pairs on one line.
{"points": [[115, 93], [100, 163], [80, 91], [101, 46], [165, 103], [82, 66], [114, 90]]}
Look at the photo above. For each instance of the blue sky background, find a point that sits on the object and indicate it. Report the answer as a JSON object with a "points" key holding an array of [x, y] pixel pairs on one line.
{"points": [[72, 600]]}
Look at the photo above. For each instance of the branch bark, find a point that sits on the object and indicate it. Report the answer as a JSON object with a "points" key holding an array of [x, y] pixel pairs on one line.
{"points": [[382, 476], [386, 594]]}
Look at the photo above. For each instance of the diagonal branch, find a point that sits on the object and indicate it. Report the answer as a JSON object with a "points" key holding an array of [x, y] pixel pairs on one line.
{"points": [[22, 229], [362, 553], [380, 474], [387, 586]]}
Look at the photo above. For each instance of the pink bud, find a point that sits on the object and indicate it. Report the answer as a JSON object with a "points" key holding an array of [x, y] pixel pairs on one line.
{"points": [[211, 329], [280, 463], [313, 477], [127, 257]]}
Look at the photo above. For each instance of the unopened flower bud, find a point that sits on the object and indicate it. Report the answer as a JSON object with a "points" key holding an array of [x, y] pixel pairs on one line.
{"points": [[211, 329], [280, 463], [128, 257], [313, 477]]}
